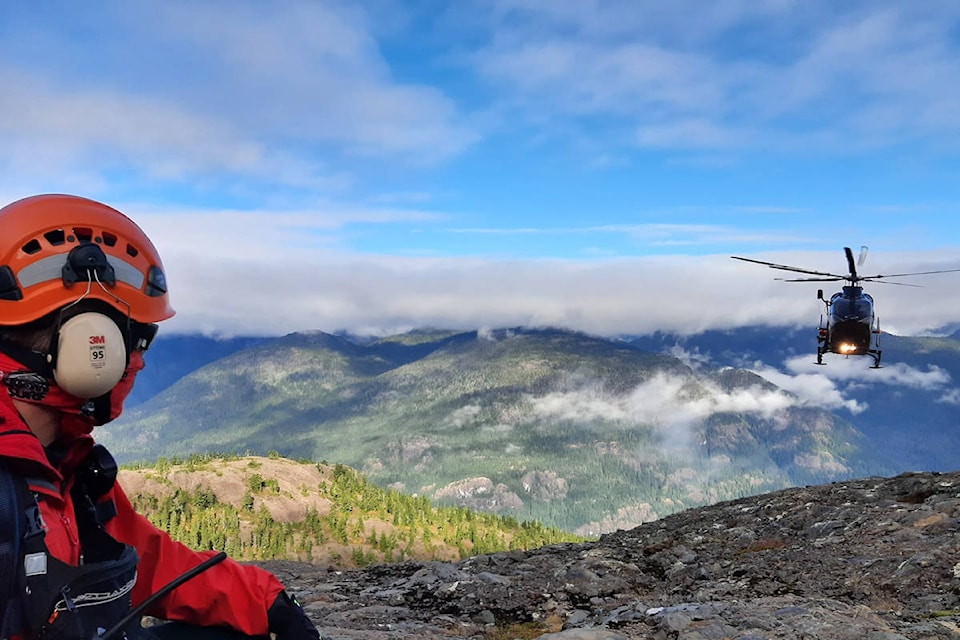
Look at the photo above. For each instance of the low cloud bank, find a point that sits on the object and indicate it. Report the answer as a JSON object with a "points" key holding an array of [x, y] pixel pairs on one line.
{"points": [[832, 387], [674, 406], [291, 289]]}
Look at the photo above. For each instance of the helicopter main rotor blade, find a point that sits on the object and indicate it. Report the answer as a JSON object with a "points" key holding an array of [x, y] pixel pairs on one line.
{"points": [[853, 268], [915, 273], [899, 284], [785, 267], [809, 279]]}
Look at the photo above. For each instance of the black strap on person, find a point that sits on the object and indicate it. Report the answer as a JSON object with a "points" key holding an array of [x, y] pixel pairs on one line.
{"points": [[11, 532], [164, 590]]}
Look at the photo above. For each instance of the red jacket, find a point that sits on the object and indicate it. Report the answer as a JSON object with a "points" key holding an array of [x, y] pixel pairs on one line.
{"points": [[229, 593]]}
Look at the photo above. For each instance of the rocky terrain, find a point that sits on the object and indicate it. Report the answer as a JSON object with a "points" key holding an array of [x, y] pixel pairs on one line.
{"points": [[874, 558]]}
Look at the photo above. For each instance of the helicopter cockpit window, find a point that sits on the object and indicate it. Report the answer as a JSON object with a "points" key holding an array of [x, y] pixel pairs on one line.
{"points": [[850, 308]]}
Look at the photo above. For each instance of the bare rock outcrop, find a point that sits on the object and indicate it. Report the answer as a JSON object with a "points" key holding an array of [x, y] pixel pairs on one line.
{"points": [[874, 558]]}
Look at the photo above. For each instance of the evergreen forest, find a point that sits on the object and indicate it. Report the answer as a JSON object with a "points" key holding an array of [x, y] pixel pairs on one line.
{"points": [[361, 524]]}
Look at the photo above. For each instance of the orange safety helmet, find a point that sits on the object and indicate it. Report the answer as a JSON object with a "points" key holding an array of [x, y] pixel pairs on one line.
{"points": [[53, 248]]}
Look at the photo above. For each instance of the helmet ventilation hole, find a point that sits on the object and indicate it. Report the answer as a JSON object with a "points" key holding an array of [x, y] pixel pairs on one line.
{"points": [[55, 237], [84, 234]]}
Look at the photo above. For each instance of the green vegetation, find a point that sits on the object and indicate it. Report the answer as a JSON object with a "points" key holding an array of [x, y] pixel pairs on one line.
{"points": [[541, 425], [364, 524]]}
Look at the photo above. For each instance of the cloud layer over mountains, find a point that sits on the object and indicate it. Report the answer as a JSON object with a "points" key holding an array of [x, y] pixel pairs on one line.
{"points": [[231, 282]]}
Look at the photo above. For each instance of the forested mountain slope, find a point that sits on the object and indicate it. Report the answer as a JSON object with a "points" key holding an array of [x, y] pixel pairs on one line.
{"points": [[274, 508], [584, 433]]}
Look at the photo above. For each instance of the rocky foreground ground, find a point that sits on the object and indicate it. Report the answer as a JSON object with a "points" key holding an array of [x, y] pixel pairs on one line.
{"points": [[875, 559]]}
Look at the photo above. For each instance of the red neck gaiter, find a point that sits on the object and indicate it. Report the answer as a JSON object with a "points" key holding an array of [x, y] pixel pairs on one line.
{"points": [[77, 414]]}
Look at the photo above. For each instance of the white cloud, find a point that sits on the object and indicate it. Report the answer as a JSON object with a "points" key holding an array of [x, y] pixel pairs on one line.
{"points": [[950, 396], [465, 415], [672, 404], [828, 386], [296, 288], [309, 71], [815, 389], [48, 130], [852, 370], [842, 78], [261, 236], [690, 358], [278, 272], [285, 96], [294, 94]]}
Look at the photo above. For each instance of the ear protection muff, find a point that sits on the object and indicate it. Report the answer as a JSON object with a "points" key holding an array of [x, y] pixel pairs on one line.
{"points": [[90, 355]]}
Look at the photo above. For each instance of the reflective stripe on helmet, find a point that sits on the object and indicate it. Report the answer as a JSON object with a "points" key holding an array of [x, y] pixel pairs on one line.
{"points": [[51, 268]]}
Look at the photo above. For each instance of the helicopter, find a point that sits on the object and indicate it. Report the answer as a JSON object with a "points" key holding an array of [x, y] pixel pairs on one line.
{"points": [[851, 327]]}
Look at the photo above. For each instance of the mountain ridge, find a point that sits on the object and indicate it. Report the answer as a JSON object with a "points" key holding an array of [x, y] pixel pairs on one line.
{"points": [[569, 429]]}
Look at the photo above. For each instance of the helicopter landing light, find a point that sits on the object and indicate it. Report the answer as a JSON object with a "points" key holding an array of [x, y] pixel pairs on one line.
{"points": [[846, 347]]}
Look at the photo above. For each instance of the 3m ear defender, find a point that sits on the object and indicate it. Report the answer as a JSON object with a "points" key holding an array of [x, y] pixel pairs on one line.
{"points": [[91, 355]]}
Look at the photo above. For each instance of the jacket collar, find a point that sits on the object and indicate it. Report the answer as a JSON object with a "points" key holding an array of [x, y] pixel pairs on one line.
{"points": [[19, 445]]}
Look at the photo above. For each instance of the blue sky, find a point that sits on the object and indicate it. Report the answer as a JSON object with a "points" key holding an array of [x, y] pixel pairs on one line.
{"points": [[382, 165]]}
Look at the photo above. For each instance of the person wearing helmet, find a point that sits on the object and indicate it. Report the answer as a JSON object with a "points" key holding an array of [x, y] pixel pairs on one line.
{"points": [[82, 289]]}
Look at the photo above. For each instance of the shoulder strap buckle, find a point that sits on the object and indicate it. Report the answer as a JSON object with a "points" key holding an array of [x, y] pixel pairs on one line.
{"points": [[34, 521]]}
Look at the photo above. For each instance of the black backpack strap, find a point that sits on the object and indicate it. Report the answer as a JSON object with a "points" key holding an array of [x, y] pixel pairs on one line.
{"points": [[94, 479], [10, 534], [19, 523], [23, 550]]}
